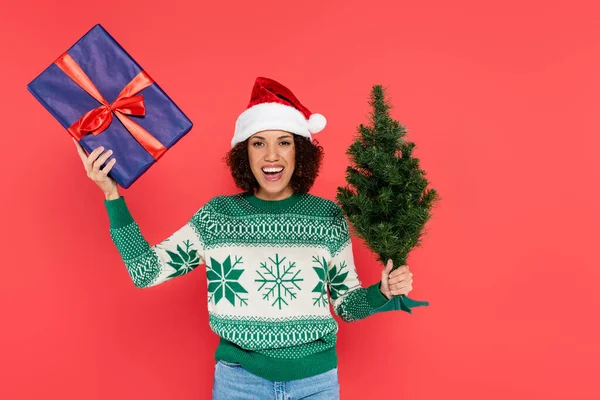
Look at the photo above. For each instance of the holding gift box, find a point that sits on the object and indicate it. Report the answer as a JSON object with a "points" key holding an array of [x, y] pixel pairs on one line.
{"points": [[95, 81]]}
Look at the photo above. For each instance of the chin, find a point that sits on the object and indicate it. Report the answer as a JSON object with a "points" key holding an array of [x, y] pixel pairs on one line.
{"points": [[274, 187]]}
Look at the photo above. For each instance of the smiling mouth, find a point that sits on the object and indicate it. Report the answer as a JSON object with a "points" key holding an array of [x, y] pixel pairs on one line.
{"points": [[272, 174]]}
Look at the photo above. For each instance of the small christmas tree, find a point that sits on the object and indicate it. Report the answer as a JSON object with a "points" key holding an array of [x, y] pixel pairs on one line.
{"points": [[386, 200]]}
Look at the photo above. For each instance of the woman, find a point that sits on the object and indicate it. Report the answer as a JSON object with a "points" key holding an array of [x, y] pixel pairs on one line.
{"points": [[276, 257]]}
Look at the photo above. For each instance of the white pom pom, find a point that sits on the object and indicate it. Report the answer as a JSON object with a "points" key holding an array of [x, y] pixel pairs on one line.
{"points": [[316, 123]]}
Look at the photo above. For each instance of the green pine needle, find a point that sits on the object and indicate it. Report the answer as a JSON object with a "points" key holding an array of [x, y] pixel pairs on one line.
{"points": [[386, 198]]}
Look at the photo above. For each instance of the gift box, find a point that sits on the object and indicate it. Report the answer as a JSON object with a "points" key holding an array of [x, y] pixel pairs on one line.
{"points": [[100, 94]]}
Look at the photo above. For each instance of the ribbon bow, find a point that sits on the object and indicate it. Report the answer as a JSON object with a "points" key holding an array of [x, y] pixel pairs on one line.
{"points": [[127, 102]]}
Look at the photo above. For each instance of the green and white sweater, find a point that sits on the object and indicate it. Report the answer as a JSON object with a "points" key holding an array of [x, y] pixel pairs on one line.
{"points": [[273, 267]]}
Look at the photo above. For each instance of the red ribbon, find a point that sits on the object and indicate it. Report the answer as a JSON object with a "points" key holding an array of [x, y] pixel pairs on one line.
{"points": [[127, 102]]}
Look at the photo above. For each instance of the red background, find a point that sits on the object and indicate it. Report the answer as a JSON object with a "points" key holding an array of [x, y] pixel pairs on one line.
{"points": [[502, 102]]}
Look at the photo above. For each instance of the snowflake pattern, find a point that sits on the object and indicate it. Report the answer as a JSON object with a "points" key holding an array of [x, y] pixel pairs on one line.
{"points": [[276, 275], [336, 280], [223, 281], [320, 288], [184, 260]]}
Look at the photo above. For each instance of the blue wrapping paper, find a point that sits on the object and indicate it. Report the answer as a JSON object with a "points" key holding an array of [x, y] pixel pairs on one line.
{"points": [[110, 68]]}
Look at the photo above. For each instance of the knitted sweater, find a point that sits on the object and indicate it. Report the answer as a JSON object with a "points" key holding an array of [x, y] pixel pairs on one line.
{"points": [[273, 268]]}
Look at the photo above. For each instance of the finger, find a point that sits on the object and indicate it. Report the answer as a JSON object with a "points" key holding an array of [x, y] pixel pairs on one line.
{"points": [[104, 171], [400, 274], [101, 160], [400, 288], [397, 285], [400, 278], [384, 285], [388, 267], [397, 281], [385, 272], [80, 151], [92, 157], [97, 160], [399, 271]]}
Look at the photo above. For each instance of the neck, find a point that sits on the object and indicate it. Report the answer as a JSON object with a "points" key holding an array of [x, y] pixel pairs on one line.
{"points": [[264, 195]]}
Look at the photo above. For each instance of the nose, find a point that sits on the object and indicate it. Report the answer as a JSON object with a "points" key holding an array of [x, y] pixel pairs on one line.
{"points": [[272, 153]]}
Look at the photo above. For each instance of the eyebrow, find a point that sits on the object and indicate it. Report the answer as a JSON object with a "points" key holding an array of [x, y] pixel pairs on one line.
{"points": [[280, 137]]}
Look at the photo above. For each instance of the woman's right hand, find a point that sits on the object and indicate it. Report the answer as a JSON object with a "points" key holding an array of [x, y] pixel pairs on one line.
{"points": [[92, 165]]}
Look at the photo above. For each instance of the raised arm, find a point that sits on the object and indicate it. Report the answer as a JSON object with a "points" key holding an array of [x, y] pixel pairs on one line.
{"points": [[148, 265]]}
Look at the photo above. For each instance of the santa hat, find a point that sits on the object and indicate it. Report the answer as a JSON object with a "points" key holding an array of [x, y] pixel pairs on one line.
{"points": [[274, 107]]}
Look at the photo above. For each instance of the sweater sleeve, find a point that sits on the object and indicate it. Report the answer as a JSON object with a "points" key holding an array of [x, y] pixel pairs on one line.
{"points": [[147, 265], [349, 299]]}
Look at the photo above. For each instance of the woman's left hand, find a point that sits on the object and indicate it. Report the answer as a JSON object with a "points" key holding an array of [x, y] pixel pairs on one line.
{"points": [[397, 282]]}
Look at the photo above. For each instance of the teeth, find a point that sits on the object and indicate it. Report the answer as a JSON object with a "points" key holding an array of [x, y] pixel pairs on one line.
{"points": [[273, 169]]}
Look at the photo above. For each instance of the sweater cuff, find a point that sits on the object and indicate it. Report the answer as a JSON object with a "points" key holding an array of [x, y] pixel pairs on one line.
{"points": [[375, 298], [118, 213]]}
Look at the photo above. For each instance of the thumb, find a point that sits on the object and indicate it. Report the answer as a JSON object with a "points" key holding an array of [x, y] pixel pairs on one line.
{"points": [[388, 267], [384, 278]]}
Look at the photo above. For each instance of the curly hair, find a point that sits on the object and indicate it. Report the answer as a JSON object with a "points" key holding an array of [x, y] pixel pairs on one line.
{"points": [[309, 157]]}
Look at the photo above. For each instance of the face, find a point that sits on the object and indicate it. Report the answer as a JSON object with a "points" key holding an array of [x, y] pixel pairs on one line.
{"points": [[272, 156]]}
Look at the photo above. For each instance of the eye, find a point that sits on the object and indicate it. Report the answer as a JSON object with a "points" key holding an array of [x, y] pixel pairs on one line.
{"points": [[286, 142], [255, 143]]}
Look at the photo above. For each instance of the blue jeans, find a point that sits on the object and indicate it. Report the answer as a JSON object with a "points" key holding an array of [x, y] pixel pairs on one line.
{"points": [[232, 382]]}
